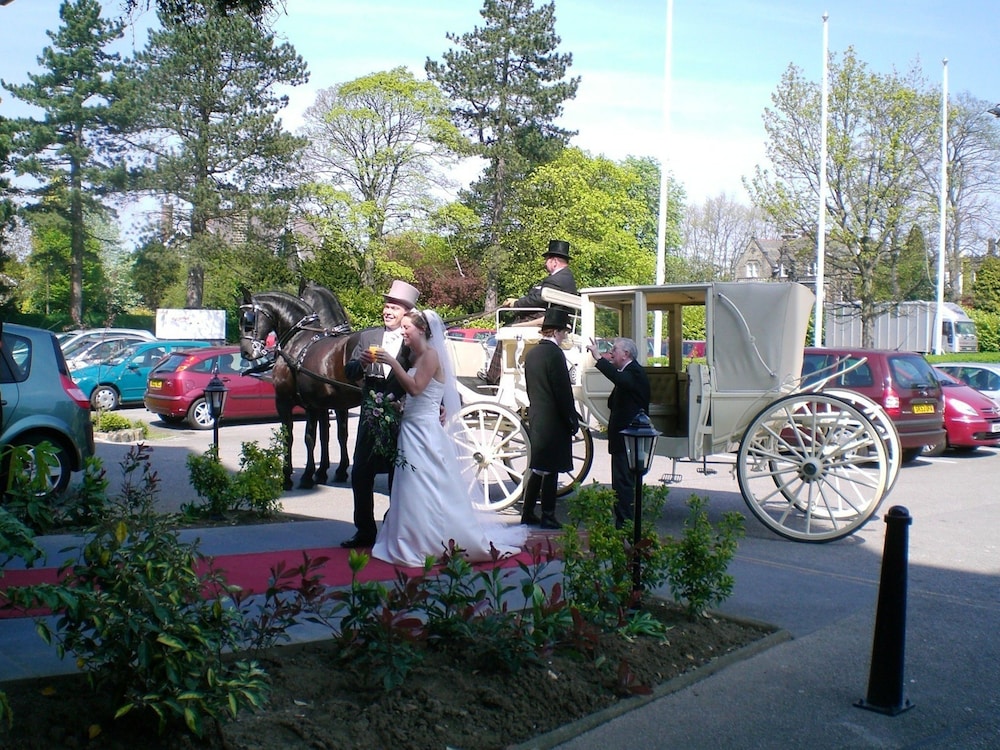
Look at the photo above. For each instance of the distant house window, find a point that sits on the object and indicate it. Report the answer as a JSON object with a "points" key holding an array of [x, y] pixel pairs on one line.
{"points": [[753, 270]]}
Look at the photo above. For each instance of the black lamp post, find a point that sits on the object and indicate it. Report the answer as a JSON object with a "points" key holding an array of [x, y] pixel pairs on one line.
{"points": [[640, 440], [215, 398]]}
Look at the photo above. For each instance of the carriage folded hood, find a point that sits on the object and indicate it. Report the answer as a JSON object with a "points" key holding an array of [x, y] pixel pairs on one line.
{"points": [[757, 332]]}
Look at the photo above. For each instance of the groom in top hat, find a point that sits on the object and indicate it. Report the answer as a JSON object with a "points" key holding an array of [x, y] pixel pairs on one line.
{"points": [[400, 299], [559, 277]]}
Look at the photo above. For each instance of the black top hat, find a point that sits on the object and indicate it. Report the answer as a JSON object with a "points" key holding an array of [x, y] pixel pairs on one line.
{"points": [[557, 317], [558, 248]]}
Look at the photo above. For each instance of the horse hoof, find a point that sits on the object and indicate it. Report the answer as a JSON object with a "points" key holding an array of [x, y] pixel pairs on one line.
{"points": [[320, 478], [340, 477], [287, 484], [306, 484]]}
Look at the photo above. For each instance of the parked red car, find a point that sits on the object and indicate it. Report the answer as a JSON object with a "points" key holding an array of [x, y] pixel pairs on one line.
{"points": [[175, 388], [971, 418], [470, 334]]}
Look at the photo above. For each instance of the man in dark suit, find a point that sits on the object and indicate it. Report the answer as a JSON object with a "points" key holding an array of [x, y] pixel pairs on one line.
{"points": [[368, 462], [552, 419], [628, 397], [559, 277]]}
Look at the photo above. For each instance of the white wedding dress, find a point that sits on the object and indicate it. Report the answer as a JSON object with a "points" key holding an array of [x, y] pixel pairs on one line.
{"points": [[430, 501]]}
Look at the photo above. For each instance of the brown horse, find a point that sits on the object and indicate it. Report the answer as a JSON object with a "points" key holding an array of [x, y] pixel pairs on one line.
{"points": [[308, 371]]}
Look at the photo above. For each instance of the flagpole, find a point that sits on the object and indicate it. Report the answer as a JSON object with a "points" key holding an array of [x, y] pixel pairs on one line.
{"points": [[821, 220], [943, 221], [661, 218]]}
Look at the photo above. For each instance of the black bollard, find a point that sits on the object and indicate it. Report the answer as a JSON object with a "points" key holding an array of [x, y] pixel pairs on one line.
{"points": [[885, 678]]}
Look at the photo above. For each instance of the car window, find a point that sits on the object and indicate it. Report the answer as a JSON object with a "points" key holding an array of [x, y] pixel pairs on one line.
{"points": [[859, 377], [910, 372], [18, 349]]}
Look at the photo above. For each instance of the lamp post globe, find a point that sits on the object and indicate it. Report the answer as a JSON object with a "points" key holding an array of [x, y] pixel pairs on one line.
{"points": [[215, 398], [640, 443]]}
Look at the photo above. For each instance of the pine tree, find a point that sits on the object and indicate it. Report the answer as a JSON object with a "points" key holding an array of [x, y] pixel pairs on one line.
{"points": [[72, 152], [207, 119], [508, 86]]}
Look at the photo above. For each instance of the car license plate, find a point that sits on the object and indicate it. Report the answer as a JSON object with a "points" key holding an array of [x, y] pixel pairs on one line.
{"points": [[923, 408], [994, 426], [155, 383]]}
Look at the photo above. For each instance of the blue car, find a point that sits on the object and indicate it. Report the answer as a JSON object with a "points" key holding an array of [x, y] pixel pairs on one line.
{"points": [[121, 379]]}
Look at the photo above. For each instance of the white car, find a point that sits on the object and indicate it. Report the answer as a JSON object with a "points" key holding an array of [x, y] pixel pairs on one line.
{"points": [[71, 340], [983, 376]]}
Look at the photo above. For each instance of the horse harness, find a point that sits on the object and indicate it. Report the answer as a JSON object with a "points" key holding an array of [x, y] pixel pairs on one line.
{"points": [[295, 364]]}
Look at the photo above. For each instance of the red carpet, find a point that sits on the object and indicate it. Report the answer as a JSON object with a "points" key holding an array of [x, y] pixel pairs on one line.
{"points": [[252, 571]]}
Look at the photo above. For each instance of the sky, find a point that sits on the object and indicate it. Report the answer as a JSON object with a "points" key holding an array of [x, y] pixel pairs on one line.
{"points": [[727, 60]]}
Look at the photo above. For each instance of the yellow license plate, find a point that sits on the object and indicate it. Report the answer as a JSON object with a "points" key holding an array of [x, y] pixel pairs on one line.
{"points": [[923, 408], [155, 383]]}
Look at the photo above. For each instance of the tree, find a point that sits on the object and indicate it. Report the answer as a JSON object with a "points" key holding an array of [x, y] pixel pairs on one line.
{"points": [[7, 212], [718, 231], [207, 121], [72, 152], [381, 143], [507, 85], [155, 268], [986, 287], [973, 149], [596, 205], [878, 130]]}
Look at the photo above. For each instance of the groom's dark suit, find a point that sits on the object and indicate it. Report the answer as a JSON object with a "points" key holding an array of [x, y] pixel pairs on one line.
{"points": [[367, 463]]}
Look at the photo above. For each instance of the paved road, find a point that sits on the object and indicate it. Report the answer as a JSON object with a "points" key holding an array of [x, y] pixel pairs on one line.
{"points": [[802, 692]]}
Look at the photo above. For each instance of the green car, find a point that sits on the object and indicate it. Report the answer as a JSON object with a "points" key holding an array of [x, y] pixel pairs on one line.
{"points": [[41, 403], [121, 379]]}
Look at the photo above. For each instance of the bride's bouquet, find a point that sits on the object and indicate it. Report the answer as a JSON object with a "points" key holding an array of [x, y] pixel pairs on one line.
{"points": [[383, 412]]}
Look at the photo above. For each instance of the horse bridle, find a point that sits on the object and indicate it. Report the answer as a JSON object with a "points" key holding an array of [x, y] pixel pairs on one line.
{"points": [[249, 312]]}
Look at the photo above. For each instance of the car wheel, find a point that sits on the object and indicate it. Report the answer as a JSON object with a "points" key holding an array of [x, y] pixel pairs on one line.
{"points": [[59, 472], [909, 455], [104, 398], [199, 416]]}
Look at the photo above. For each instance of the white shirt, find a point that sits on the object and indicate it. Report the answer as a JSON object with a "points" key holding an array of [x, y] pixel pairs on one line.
{"points": [[392, 342]]}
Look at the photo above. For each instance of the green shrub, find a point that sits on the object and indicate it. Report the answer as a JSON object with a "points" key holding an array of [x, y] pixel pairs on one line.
{"points": [[110, 421], [133, 610], [599, 559], [699, 560], [257, 486]]}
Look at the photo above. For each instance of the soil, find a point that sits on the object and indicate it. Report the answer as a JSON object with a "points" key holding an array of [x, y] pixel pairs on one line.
{"points": [[449, 701]]}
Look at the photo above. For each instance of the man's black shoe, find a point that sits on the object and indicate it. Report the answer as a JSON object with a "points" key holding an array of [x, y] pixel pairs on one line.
{"points": [[358, 540]]}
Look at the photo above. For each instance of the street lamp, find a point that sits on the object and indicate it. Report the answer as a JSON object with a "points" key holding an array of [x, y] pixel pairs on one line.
{"points": [[215, 398], [640, 440], [994, 110]]}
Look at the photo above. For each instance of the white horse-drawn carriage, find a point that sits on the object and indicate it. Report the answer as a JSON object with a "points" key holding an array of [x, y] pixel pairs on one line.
{"points": [[813, 465]]}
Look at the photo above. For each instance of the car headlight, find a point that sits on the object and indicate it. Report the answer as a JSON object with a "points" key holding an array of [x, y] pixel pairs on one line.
{"points": [[964, 409]]}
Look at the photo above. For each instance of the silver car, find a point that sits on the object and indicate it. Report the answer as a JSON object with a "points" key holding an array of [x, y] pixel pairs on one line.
{"points": [[983, 376]]}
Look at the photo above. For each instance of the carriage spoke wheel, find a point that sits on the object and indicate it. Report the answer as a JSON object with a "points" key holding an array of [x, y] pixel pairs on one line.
{"points": [[583, 459], [886, 429], [493, 453], [813, 467]]}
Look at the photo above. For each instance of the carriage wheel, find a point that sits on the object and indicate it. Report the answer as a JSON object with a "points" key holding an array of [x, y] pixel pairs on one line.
{"points": [[812, 467], [493, 453], [886, 429], [583, 459]]}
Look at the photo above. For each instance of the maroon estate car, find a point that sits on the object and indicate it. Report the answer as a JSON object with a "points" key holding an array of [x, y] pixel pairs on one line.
{"points": [[903, 383], [175, 388], [971, 418]]}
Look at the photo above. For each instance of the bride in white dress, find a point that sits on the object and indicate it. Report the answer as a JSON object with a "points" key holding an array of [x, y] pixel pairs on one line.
{"points": [[430, 502]]}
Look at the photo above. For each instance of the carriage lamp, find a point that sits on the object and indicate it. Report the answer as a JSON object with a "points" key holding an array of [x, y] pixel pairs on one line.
{"points": [[640, 440], [215, 398]]}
